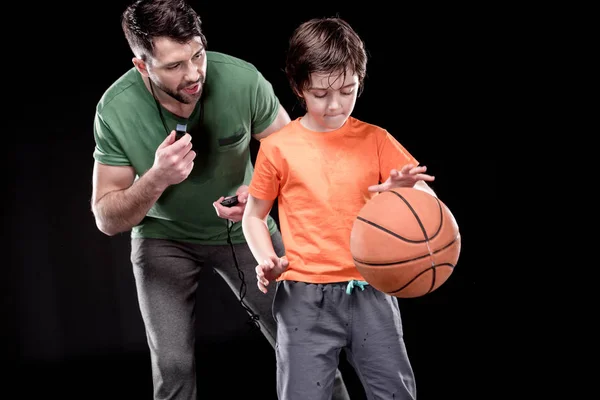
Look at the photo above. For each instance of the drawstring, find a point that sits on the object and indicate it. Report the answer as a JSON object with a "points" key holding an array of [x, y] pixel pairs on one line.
{"points": [[353, 283]]}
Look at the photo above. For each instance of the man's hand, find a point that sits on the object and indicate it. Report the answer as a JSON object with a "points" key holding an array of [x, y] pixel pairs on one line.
{"points": [[234, 213], [173, 160]]}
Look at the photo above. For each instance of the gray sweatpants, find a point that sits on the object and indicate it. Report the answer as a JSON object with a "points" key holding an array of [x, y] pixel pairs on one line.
{"points": [[166, 275], [315, 321]]}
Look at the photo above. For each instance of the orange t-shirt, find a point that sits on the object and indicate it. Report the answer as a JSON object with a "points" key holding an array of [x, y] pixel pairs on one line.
{"points": [[321, 181]]}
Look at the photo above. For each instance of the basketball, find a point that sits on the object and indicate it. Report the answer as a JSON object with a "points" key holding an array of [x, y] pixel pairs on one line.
{"points": [[405, 242]]}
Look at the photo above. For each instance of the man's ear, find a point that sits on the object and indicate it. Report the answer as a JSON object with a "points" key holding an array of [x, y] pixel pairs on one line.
{"points": [[140, 65]]}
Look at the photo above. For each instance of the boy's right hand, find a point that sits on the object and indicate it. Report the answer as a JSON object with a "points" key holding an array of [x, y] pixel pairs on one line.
{"points": [[270, 270]]}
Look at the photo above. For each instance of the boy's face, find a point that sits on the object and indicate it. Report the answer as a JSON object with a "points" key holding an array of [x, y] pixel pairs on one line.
{"points": [[329, 99]]}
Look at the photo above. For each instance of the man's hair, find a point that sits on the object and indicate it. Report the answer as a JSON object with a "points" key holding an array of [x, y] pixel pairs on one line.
{"points": [[145, 20], [324, 46]]}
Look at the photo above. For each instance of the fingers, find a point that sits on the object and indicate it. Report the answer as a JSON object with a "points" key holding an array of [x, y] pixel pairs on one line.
{"points": [[407, 176], [242, 189], [273, 260], [189, 157], [243, 197], [170, 139], [225, 212], [176, 152], [177, 145], [279, 265], [376, 188], [268, 270], [183, 145], [242, 194], [425, 177], [218, 207], [418, 174], [189, 168], [261, 287], [406, 169], [233, 214], [418, 170], [262, 282]]}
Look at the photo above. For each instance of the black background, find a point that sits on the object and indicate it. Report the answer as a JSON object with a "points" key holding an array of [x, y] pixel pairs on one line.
{"points": [[71, 323]]}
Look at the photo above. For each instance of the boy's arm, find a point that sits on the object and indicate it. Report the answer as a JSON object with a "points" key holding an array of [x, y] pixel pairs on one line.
{"points": [[256, 230]]}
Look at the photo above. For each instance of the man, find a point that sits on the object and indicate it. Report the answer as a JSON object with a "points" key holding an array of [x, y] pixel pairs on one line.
{"points": [[172, 142]]}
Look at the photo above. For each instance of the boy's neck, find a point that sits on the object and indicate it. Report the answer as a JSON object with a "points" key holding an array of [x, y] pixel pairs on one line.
{"points": [[308, 123]]}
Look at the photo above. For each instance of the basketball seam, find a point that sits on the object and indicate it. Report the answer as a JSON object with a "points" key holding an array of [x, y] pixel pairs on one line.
{"points": [[433, 268], [423, 230], [410, 207], [405, 261]]}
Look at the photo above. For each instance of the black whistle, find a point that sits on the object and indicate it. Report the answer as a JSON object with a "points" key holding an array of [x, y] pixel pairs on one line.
{"points": [[230, 201], [180, 131]]}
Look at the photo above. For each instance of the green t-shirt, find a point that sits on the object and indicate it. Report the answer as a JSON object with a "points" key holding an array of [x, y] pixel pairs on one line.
{"points": [[236, 102]]}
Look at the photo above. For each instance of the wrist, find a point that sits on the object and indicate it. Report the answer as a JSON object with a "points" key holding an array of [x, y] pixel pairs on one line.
{"points": [[154, 181]]}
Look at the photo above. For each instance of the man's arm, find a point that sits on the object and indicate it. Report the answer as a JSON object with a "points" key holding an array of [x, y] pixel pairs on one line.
{"points": [[281, 120], [119, 203]]}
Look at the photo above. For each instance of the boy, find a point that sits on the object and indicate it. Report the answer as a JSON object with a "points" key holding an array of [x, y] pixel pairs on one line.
{"points": [[323, 167]]}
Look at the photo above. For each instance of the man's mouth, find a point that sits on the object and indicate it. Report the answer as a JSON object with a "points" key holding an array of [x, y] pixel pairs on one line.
{"points": [[192, 89]]}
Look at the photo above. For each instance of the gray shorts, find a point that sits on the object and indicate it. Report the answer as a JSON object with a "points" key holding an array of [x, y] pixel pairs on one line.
{"points": [[316, 321]]}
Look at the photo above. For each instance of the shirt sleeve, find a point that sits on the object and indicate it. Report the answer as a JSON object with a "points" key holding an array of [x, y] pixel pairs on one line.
{"points": [[266, 180], [265, 105], [393, 155], [108, 150]]}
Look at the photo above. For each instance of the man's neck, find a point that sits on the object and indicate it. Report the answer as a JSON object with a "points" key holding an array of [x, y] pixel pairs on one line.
{"points": [[175, 107]]}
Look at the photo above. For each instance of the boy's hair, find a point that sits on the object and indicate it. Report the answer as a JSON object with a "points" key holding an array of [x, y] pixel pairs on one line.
{"points": [[145, 20], [325, 46]]}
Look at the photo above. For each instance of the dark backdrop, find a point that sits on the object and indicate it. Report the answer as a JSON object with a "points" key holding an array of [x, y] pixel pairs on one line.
{"points": [[71, 324]]}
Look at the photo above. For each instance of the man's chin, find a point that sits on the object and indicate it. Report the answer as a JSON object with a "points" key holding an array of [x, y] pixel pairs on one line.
{"points": [[190, 98]]}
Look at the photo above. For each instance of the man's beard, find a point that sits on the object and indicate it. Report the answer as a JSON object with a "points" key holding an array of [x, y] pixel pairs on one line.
{"points": [[177, 95]]}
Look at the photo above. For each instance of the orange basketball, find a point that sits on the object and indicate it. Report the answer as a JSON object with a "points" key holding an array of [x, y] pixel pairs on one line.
{"points": [[405, 242]]}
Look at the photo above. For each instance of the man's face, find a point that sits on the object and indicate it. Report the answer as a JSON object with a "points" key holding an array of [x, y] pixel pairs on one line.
{"points": [[178, 69], [330, 99]]}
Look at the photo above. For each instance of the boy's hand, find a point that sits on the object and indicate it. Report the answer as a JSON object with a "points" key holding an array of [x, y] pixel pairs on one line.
{"points": [[270, 270], [407, 177]]}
